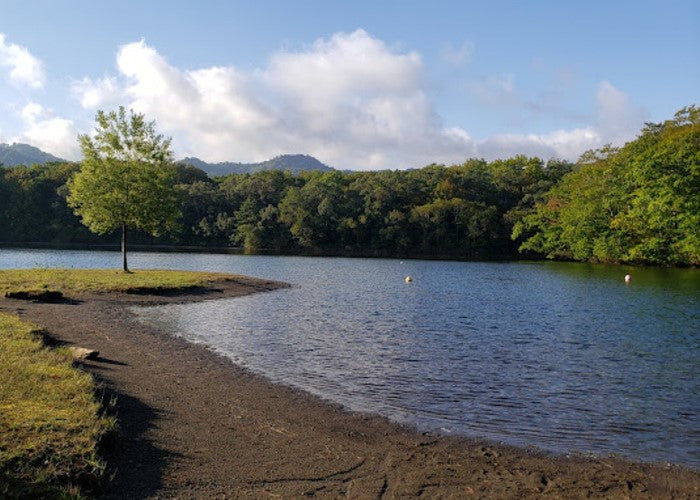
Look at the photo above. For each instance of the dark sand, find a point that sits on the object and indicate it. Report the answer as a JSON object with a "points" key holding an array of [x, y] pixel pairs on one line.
{"points": [[194, 425]]}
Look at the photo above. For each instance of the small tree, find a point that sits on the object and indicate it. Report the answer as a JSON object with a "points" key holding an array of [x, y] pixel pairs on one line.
{"points": [[126, 178]]}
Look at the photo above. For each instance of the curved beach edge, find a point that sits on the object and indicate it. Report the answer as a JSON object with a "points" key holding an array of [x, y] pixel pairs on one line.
{"points": [[194, 424]]}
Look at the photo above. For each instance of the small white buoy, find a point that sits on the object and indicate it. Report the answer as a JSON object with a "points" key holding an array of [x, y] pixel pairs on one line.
{"points": [[628, 278], [408, 279]]}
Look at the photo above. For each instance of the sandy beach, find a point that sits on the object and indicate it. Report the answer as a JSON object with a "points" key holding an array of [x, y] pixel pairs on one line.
{"points": [[194, 425]]}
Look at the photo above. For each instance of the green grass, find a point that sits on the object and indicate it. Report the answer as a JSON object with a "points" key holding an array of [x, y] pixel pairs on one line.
{"points": [[50, 421], [100, 280]]}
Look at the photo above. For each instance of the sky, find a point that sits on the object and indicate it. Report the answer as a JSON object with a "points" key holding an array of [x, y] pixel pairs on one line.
{"points": [[360, 85]]}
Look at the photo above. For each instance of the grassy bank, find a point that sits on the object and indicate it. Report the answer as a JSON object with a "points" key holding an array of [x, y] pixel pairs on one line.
{"points": [[100, 280], [50, 421]]}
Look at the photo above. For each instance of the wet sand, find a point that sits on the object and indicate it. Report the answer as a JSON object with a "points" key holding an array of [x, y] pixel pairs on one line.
{"points": [[195, 425]]}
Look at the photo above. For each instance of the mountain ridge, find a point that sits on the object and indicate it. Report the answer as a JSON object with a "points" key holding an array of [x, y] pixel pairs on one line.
{"points": [[18, 153], [295, 163], [15, 154]]}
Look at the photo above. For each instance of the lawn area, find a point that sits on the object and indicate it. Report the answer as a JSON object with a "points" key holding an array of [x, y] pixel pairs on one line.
{"points": [[50, 420], [100, 280]]}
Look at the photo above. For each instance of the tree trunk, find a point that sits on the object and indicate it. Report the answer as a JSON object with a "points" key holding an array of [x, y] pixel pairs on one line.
{"points": [[124, 264]]}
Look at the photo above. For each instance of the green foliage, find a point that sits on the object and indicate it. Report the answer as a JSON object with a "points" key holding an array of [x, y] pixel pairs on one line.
{"points": [[126, 179], [637, 204], [319, 213], [50, 422], [126, 176], [33, 206]]}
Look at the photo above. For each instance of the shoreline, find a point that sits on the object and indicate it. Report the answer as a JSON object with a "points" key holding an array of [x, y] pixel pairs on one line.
{"points": [[195, 424], [354, 254]]}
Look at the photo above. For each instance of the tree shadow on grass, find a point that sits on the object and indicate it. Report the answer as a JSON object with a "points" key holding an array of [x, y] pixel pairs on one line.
{"points": [[134, 464]]}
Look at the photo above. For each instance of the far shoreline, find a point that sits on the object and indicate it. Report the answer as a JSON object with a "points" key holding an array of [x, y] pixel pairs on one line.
{"points": [[350, 254], [354, 254], [194, 423]]}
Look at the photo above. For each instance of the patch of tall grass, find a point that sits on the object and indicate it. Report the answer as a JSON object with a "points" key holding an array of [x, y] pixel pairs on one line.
{"points": [[50, 420]]}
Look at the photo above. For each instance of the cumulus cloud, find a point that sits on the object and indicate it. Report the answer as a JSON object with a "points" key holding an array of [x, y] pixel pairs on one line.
{"points": [[350, 100], [213, 111], [25, 69], [49, 133], [99, 93]]}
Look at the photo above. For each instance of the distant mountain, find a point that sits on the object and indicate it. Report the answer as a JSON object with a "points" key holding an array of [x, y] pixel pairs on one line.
{"points": [[24, 154], [293, 163]]}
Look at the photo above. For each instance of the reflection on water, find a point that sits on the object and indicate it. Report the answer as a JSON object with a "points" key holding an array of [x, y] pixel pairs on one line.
{"points": [[563, 356]]}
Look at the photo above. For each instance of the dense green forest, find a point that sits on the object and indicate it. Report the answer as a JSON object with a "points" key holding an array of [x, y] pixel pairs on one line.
{"points": [[638, 204]]}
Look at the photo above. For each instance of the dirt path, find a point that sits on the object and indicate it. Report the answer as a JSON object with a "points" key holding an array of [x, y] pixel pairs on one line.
{"points": [[194, 425]]}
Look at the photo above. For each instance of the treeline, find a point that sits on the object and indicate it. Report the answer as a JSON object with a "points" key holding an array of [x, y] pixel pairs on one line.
{"points": [[463, 211], [636, 204]]}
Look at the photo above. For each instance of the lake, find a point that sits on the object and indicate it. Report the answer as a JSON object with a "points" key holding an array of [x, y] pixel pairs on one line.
{"points": [[563, 356]]}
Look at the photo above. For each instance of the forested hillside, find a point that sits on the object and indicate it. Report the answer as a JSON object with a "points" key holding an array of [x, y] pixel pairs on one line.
{"points": [[24, 154], [635, 204], [640, 203]]}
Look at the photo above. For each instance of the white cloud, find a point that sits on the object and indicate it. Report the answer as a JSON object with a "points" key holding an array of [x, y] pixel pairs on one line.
{"points": [[31, 112], [212, 111], [349, 73], [25, 69], [350, 100], [564, 144], [100, 93], [618, 119], [49, 133]]}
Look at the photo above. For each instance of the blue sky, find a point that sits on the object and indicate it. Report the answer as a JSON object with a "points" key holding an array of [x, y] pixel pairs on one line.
{"points": [[362, 84]]}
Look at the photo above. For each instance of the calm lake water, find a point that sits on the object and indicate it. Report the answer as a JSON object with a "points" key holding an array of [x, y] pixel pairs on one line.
{"points": [[566, 357]]}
